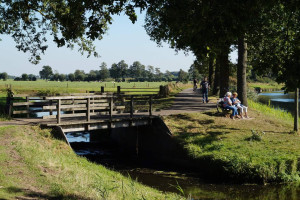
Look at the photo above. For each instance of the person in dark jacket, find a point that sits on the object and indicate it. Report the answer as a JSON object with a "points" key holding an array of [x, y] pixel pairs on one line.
{"points": [[204, 86]]}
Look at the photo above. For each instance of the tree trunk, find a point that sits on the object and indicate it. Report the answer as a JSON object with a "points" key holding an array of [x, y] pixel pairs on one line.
{"points": [[216, 85], [224, 71], [242, 70], [296, 117], [210, 69]]}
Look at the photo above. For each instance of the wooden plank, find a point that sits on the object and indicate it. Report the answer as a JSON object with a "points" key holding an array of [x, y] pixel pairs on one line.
{"points": [[15, 112], [73, 115], [140, 88], [66, 107], [75, 97], [78, 122], [30, 103]]}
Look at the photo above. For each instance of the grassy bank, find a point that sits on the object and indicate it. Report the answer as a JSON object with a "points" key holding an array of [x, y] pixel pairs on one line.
{"points": [[35, 166], [273, 86], [260, 149]]}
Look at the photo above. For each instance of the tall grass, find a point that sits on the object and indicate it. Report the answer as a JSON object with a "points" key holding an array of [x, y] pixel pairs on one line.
{"points": [[270, 111]]}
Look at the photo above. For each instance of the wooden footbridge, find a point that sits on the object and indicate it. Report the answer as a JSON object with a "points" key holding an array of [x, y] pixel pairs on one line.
{"points": [[84, 112]]}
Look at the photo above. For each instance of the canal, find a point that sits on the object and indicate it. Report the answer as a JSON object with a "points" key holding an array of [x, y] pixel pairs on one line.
{"points": [[279, 100], [170, 179]]}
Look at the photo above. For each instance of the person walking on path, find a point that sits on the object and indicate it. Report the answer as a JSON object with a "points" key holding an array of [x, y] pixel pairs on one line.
{"points": [[195, 85], [204, 86]]}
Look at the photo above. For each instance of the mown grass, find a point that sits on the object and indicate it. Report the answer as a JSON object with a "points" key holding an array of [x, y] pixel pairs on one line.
{"points": [[233, 145], [34, 165], [54, 87]]}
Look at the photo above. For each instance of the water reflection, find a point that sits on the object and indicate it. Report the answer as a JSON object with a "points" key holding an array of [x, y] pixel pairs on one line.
{"points": [[153, 174], [279, 100]]}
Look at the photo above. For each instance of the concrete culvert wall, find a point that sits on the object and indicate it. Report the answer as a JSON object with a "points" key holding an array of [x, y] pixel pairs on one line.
{"points": [[153, 141]]}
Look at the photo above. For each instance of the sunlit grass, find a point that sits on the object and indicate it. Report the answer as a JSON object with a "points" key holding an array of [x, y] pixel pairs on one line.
{"points": [[230, 144], [35, 165]]}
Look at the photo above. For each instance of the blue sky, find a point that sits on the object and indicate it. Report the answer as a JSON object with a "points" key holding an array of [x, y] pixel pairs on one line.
{"points": [[123, 41]]}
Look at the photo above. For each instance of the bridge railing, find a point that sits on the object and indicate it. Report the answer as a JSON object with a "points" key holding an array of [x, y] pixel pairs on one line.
{"points": [[84, 107]]}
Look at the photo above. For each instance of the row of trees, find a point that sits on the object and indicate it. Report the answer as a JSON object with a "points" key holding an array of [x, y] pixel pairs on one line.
{"points": [[266, 33], [118, 71]]}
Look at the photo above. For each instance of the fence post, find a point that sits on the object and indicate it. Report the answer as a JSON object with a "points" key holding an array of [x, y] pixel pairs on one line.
{"points": [[118, 89], [131, 106], [73, 102], [27, 106], [102, 89], [9, 99], [88, 111], [150, 105], [58, 108], [110, 107]]}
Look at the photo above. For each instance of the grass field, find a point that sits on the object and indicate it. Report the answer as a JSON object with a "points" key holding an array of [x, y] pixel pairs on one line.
{"points": [[261, 149], [35, 166], [54, 87], [266, 86]]}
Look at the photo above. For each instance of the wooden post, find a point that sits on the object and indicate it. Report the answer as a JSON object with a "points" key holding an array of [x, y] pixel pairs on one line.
{"points": [[102, 89], [118, 89], [296, 117], [9, 100], [73, 101], [58, 108], [88, 111], [110, 107], [93, 104], [150, 105], [131, 106], [51, 102], [27, 107]]}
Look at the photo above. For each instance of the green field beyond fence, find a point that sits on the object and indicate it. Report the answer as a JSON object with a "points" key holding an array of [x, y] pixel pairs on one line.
{"points": [[52, 87]]}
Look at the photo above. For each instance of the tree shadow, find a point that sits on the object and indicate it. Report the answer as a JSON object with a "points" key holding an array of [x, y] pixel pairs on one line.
{"points": [[39, 195]]}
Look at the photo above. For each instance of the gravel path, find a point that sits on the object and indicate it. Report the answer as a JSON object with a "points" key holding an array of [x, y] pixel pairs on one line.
{"points": [[187, 101]]}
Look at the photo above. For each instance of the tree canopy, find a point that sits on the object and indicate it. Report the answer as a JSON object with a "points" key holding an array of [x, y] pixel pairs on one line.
{"points": [[68, 22]]}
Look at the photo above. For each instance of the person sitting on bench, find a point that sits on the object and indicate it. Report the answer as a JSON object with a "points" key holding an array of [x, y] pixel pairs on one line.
{"points": [[236, 102], [228, 105]]}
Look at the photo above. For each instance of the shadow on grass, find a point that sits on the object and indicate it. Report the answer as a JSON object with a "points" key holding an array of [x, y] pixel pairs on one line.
{"points": [[214, 114], [29, 194]]}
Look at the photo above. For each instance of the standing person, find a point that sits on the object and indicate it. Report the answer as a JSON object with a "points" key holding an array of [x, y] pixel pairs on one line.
{"points": [[236, 102], [228, 104], [195, 84], [204, 86]]}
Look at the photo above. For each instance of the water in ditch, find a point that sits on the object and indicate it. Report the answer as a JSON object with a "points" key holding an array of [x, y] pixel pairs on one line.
{"points": [[169, 179], [279, 99]]}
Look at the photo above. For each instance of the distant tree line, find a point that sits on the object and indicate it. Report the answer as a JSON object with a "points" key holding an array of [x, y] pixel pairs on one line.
{"points": [[120, 71]]}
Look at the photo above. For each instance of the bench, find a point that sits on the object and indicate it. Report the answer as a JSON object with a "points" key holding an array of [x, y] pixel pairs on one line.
{"points": [[221, 109]]}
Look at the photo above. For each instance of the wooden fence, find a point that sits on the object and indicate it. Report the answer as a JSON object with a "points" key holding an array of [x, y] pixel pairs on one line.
{"points": [[77, 106]]}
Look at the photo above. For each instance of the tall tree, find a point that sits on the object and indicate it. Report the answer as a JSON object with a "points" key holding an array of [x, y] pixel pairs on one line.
{"points": [[79, 75], [46, 72], [277, 47], [123, 67], [136, 69], [114, 71], [104, 72]]}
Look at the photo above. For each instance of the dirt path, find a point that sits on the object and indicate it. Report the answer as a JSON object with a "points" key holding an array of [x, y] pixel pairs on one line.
{"points": [[186, 101]]}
